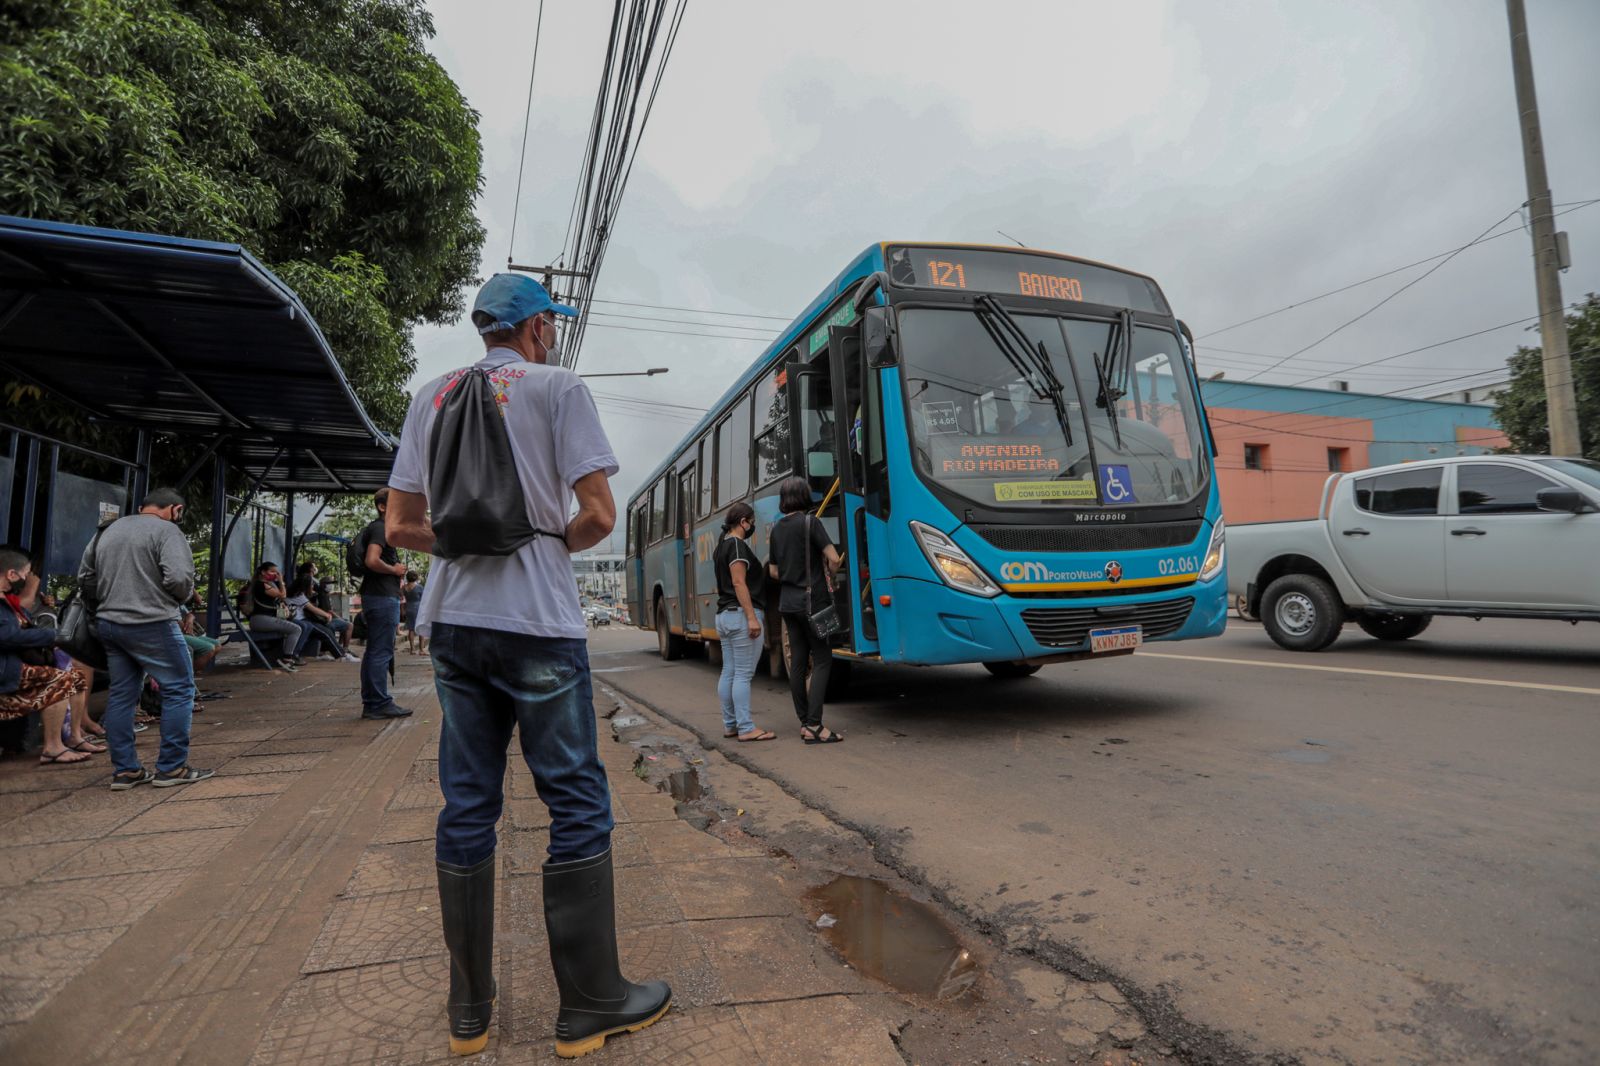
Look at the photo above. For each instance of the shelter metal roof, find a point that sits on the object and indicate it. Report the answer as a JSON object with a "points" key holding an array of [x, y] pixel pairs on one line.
{"points": [[186, 337]]}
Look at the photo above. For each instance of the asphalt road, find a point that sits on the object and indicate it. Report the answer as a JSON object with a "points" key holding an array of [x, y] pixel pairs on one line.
{"points": [[1380, 853]]}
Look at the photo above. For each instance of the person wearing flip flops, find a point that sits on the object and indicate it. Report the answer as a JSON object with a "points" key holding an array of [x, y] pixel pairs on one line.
{"points": [[741, 584], [30, 682], [803, 562]]}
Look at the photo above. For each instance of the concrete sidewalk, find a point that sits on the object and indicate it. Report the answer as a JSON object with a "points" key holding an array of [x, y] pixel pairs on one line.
{"points": [[285, 911]]}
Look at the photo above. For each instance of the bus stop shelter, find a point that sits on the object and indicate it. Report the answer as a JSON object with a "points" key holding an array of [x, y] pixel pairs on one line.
{"points": [[168, 337]]}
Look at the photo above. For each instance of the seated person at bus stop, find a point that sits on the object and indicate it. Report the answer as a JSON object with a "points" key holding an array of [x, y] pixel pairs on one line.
{"points": [[265, 597]]}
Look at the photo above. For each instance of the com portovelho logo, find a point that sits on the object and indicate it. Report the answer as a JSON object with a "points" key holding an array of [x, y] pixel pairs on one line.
{"points": [[1036, 573]]}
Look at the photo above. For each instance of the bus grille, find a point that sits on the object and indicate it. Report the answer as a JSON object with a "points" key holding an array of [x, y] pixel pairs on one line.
{"points": [[1068, 627], [1090, 538]]}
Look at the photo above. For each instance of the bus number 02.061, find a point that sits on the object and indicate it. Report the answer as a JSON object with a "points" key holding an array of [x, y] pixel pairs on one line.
{"points": [[946, 274]]}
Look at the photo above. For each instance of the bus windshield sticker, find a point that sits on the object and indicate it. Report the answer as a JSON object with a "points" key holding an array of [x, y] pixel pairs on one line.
{"points": [[1116, 483], [940, 416], [1012, 491]]}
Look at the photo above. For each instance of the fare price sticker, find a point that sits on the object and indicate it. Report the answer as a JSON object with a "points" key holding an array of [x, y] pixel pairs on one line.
{"points": [[1021, 491]]}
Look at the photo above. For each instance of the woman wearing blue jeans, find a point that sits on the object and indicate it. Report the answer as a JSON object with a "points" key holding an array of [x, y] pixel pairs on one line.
{"points": [[740, 583]]}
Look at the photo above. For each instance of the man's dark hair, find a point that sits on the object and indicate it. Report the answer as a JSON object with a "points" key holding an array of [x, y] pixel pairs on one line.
{"points": [[266, 564], [163, 497], [794, 494], [13, 558], [381, 497], [411, 575]]}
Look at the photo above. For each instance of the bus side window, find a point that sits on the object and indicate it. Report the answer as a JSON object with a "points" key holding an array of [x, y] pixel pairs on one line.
{"points": [[876, 485], [708, 477], [658, 511], [771, 411]]}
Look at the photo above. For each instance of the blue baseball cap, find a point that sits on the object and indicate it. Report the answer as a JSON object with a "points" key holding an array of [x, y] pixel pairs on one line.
{"points": [[507, 299]]}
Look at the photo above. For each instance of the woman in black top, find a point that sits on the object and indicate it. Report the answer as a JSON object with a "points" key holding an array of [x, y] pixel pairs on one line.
{"points": [[802, 551], [740, 586]]}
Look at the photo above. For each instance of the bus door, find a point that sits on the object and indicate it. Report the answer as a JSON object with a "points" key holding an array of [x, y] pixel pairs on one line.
{"points": [[853, 420], [638, 536], [688, 610], [814, 444]]}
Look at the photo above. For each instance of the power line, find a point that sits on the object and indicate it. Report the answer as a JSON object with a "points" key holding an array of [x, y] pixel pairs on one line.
{"points": [[1352, 321], [766, 331], [692, 310], [652, 403], [680, 333], [1575, 205], [522, 159]]}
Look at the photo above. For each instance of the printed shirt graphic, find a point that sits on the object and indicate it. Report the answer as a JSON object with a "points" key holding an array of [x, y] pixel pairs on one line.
{"points": [[556, 439]]}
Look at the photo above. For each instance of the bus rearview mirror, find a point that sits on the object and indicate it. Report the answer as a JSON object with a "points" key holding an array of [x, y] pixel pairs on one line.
{"points": [[875, 343]]}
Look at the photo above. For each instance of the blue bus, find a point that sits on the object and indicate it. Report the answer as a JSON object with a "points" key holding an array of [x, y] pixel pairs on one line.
{"points": [[1007, 446]]}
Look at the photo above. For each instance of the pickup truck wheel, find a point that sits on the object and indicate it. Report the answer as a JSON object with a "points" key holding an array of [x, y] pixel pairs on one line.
{"points": [[1302, 612], [1393, 626]]}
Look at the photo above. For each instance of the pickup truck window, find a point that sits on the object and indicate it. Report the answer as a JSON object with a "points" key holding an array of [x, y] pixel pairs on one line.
{"points": [[1404, 492], [1494, 488]]}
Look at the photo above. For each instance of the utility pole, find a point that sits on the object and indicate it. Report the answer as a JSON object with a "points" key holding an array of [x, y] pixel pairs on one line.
{"points": [[1561, 399]]}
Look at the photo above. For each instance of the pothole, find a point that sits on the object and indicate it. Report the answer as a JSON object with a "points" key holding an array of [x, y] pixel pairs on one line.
{"points": [[684, 785], [893, 938]]}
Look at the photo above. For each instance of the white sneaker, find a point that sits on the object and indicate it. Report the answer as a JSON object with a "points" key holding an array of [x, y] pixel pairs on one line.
{"points": [[348, 658]]}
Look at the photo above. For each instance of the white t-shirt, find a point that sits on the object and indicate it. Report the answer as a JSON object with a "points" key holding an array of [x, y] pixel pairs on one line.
{"points": [[556, 439]]}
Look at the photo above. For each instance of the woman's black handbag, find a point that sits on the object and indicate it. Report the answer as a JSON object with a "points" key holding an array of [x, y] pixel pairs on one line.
{"points": [[825, 623], [78, 633]]}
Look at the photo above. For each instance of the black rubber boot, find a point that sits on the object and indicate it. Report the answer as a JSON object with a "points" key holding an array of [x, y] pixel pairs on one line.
{"points": [[596, 1000], [466, 903]]}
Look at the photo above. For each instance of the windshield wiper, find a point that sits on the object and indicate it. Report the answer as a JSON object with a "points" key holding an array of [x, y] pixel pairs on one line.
{"points": [[1032, 365], [1118, 357]]}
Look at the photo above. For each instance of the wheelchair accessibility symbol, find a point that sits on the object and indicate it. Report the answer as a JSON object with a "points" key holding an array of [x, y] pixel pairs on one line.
{"points": [[1116, 484]]}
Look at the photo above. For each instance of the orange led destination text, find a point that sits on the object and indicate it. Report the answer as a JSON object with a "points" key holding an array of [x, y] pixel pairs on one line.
{"points": [[1000, 459], [1049, 286]]}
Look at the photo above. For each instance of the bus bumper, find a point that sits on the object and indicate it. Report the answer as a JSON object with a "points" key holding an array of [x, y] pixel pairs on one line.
{"points": [[937, 625]]}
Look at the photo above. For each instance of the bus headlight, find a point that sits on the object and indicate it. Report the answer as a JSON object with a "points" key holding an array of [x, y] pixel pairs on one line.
{"points": [[952, 564], [1217, 553]]}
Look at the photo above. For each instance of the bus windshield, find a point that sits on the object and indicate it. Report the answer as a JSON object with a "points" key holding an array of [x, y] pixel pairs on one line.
{"points": [[984, 430]]}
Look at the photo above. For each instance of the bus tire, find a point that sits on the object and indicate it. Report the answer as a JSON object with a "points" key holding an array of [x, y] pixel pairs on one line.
{"points": [[714, 652], [1009, 670], [1302, 612], [669, 645]]}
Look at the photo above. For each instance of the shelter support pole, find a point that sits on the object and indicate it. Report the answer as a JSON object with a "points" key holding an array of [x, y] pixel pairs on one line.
{"points": [[30, 494], [141, 472], [51, 467], [291, 562], [219, 514]]}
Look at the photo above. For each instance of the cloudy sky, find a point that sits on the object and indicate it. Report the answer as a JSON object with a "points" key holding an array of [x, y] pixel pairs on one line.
{"points": [[1249, 155]]}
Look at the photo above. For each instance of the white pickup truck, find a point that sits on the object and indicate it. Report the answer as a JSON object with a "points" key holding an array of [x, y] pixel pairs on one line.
{"points": [[1482, 536]]}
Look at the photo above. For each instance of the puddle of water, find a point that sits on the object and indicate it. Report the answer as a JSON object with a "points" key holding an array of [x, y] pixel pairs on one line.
{"points": [[684, 785], [893, 938]]}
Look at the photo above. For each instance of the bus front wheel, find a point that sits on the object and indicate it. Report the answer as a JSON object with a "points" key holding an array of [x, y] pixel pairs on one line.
{"points": [[1008, 670], [670, 645]]}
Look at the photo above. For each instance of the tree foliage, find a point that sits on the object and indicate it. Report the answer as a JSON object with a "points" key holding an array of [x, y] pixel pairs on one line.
{"points": [[1521, 410], [318, 134]]}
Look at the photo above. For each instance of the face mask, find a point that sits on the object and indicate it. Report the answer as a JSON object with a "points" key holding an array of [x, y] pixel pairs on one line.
{"points": [[552, 354], [15, 587]]}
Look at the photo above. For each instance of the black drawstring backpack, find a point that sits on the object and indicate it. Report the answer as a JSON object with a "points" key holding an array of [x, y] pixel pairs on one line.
{"points": [[473, 490]]}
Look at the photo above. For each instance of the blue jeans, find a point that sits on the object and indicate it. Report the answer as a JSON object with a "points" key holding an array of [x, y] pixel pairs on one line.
{"points": [[489, 681], [740, 651], [383, 615], [157, 649]]}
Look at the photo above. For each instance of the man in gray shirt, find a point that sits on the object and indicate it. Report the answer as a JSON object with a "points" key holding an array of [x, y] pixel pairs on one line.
{"points": [[137, 572]]}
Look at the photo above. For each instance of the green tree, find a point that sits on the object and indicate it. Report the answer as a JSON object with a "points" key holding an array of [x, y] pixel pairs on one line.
{"points": [[318, 134], [1520, 409]]}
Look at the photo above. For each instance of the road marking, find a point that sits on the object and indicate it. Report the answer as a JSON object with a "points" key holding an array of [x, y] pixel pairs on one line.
{"points": [[1379, 673]]}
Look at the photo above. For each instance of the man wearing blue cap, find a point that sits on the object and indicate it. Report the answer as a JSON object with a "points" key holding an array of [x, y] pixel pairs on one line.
{"points": [[509, 649]]}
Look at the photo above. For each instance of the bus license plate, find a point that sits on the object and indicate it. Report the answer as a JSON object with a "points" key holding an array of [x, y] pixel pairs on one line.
{"points": [[1123, 638]]}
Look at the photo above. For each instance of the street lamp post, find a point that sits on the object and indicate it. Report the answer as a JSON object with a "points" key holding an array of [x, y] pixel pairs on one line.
{"points": [[630, 373]]}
